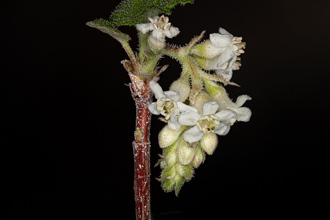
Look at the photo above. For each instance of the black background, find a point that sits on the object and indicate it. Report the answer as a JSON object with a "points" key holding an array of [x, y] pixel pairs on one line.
{"points": [[68, 117]]}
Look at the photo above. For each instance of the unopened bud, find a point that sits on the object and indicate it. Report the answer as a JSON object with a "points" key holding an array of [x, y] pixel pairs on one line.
{"points": [[207, 50], [200, 100], [170, 154], [154, 44], [199, 158], [182, 87], [209, 142], [186, 153], [167, 136], [185, 171]]}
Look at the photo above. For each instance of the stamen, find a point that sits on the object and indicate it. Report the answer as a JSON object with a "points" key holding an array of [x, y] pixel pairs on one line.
{"points": [[208, 125]]}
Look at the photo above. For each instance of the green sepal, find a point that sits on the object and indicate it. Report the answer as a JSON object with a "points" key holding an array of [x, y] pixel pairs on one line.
{"points": [[188, 172], [185, 171], [179, 181], [168, 173], [132, 12], [108, 28], [168, 185]]}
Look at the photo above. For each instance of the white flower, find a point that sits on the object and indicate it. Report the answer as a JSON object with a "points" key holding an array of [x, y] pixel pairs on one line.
{"points": [[225, 70], [160, 28], [209, 121], [230, 48], [220, 53], [242, 113], [229, 45], [168, 105]]}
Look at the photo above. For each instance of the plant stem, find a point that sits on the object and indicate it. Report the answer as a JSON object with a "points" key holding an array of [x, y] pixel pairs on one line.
{"points": [[142, 96]]}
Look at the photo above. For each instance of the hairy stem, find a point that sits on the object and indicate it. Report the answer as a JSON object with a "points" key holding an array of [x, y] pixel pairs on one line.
{"points": [[142, 96]]}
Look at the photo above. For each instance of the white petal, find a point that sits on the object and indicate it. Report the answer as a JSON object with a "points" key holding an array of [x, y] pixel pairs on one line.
{"points": [[153, 108], [243, 114], [193, 134], [219, 40], [230, 121], [186, 108], [229, 75], [210, 108], [172, 95], [225, 74], [222, 129], [223, 31], [221, 66], [226, 56], [189, 118], [242, 99], [232, 61], [235, 67], [173, 122], [145, 27], [225, 115], [172, 32], [159, 35], [156, 89]]}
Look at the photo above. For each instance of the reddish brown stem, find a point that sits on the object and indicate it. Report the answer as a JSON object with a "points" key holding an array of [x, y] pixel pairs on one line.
{"points": [[141, 147]]}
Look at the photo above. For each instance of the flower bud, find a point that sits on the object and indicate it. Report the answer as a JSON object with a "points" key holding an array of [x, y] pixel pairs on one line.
{"points": [[185, 171], [154, 44], [186, 153], [207, 64], [182, 87], [209, 142], [170, 154], [199, 158], [207, 50], [167, 136], [200, 100]]}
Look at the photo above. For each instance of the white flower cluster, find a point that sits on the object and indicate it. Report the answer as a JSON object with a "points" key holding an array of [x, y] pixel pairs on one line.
{"points": [[216, 117], [221, 53], [230, 48], [193, 123], [160, 27]]}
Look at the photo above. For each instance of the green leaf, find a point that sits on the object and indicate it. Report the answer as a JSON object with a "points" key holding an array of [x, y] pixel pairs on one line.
{"points": [[132, 12], [107, 28]]}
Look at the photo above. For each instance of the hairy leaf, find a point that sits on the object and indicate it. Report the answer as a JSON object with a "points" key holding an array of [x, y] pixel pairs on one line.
{"points": [[107, 28], [131, 12]]}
